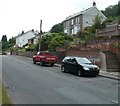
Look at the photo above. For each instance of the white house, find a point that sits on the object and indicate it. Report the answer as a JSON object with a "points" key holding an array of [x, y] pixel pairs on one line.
{"points": [[24, 38], [79, 21]]}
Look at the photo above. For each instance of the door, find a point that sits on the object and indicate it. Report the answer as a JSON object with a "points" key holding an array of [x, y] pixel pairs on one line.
{"points": [[74, 66]]}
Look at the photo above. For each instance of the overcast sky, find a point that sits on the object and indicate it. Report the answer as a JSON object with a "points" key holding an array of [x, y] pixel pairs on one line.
{"points": [[18, 15]]}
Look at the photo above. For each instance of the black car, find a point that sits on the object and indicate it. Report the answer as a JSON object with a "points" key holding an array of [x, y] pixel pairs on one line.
{"points": [[80, 66]]}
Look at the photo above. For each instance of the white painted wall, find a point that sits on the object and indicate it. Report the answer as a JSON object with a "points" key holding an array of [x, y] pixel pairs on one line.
{"points": [[23, 39], [89, 16]]}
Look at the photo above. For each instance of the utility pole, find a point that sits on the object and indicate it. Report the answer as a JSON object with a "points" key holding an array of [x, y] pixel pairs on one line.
{"points": [[40, 34], [40, 26]]}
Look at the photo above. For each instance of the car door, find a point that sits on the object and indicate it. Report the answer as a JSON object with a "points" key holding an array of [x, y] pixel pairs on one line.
{"points": [[38, 57], [68, 65], [74, 66]]}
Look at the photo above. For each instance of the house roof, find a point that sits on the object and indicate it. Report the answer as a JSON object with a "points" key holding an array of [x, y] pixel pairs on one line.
{"points": [[82, 12], [34, 32]]}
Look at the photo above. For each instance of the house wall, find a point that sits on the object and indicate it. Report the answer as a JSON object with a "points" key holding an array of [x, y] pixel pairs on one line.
{"points": [[79, 22], [89, 16], [23, 39], [72, 26]]}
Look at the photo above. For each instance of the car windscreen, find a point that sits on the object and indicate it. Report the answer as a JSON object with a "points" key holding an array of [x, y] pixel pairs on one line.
{"points": [[83, 60], [47, 53]]}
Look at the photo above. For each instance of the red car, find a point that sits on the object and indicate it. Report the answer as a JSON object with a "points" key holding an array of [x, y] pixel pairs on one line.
{"points": [[44, 58]]}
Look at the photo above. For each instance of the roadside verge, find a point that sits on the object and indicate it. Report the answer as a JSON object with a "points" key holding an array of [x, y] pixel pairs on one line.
{"points": [[4, 99]]}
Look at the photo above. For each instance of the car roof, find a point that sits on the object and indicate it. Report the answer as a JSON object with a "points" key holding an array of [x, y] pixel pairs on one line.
{"points": [[67, 57]]}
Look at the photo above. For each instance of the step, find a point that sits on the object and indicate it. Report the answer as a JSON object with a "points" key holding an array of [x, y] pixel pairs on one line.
{"points": [[113, 70], [112, 66], [114, 61]]}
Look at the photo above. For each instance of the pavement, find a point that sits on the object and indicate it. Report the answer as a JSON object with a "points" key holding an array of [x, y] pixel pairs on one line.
{"points": [[112, 75]]}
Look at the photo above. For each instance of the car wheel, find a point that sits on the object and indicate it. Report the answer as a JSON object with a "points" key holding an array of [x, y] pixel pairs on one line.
{"points": [[52, 64], [41, 63], [79, 73], [34, 62], [63, 69]]}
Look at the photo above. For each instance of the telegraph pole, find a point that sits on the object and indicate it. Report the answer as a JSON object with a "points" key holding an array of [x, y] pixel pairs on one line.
{"points": [[40, 34]]}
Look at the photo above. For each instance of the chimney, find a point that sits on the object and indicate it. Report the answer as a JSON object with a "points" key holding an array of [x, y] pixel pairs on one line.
{"points": [[94, 4], [22, 32]]}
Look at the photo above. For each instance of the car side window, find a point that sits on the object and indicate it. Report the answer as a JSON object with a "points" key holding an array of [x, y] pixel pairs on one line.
{"points": [[68, 60], [40, 53], [74, 61]]}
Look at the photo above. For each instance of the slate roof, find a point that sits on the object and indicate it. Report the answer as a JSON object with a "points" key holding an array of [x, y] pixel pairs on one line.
{"points": [[81, 12]]}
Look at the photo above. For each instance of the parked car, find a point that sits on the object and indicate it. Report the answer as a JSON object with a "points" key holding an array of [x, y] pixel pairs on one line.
{"points": [[80, 66], [44, 58]]}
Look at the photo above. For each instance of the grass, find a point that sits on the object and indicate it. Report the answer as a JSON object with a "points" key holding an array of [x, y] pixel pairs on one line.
{"points": [[3, 95]]}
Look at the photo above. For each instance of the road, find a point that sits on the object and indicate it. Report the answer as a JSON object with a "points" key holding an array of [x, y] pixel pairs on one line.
{"points": [[27, 83]]}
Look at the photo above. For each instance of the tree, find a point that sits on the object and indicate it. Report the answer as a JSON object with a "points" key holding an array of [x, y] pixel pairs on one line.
{"points": [[119, 8], [45, 40], [57, 28], [111, 11], [12, 41], [4, 38], [96, 23], [57, 41], [52, 40]]}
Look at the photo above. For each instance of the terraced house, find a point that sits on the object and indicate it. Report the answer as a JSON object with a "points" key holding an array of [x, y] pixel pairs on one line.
{"points": [[77, 22]]}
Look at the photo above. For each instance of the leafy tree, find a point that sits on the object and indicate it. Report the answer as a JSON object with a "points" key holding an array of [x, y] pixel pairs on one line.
{"points": [[57, 28], [52, 40], [86, 35], [111, 11], [96, 23], [12, 41], [57, 41], [5, 45], [119, 8], [45, 40]]}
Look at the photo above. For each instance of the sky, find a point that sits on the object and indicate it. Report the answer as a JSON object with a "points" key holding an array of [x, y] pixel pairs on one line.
{"points": [[24, 15]]}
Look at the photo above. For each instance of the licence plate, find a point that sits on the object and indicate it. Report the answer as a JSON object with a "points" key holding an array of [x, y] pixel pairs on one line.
{"points": [[50, 58]]}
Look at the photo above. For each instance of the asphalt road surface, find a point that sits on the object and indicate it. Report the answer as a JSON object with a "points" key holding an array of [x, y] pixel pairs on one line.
{"points": [[27, 83]]}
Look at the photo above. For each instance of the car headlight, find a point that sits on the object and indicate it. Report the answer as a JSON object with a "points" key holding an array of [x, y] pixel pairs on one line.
{"points": [[98, 68], [85, 68]]}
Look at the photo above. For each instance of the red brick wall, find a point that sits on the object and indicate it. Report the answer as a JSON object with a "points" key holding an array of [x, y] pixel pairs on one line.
{"points": [[107, 46], [92, 54]]}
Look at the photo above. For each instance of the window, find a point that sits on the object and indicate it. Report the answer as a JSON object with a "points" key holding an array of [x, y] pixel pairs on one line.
{"points": [[78, 19], [72, 22], [67, 23]]}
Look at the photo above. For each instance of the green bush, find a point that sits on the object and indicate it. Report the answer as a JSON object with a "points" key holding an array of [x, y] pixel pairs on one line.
{"points": [[117, 45], [33, 47]]}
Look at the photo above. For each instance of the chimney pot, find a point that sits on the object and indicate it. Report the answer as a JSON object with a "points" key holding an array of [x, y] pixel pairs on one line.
{"points": [[22, 32], [94, 4]]}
